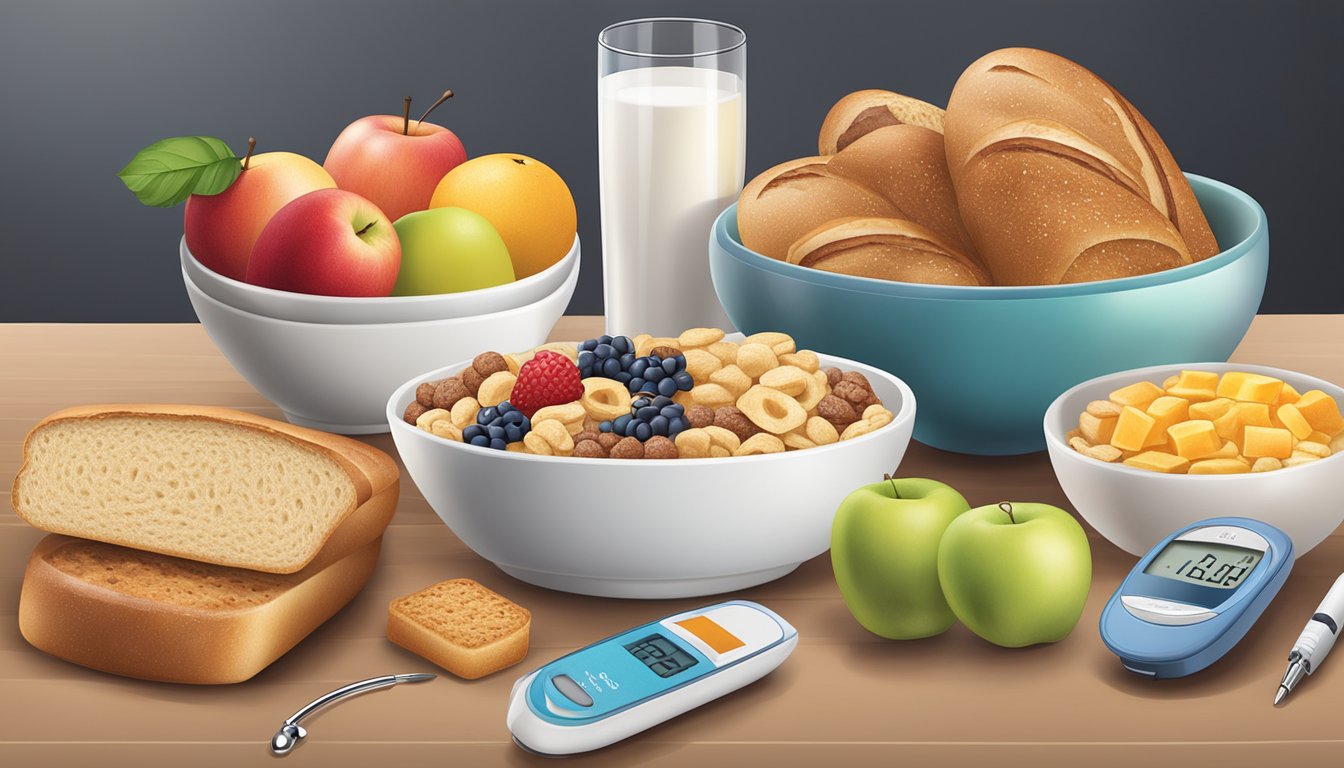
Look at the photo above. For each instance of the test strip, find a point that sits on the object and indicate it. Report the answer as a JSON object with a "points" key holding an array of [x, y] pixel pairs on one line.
{"points": [[713, 635]]}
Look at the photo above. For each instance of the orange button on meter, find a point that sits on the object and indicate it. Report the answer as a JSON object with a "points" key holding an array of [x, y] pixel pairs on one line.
{"points": [[713, 635]]}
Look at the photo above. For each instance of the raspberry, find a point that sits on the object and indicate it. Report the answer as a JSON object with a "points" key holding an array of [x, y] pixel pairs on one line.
{"points": [[549, 378]]}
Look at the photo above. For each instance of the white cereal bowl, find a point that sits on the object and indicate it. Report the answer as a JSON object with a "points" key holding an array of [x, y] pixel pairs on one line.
{"points": [[307, 308], [337, 377], [648, 528], [1135, 509]]}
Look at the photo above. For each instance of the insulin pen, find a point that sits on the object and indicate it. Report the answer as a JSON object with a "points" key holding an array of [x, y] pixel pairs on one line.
{"points": [[1316, 640]]}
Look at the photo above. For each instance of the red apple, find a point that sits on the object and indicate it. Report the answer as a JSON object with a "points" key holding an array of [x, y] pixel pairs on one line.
{"points": [[222, 229], [329, 243], [394, 161]]}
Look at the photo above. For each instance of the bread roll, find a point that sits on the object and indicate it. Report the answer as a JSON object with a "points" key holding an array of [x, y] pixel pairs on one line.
{"points": [[862, 112], [1059, 179], [162, 618], [886, 249], [792, 198], [907, 164], [209, 484]]}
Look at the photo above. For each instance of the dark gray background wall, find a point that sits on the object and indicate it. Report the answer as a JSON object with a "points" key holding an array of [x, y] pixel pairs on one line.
{"points": [[1249, 92]]}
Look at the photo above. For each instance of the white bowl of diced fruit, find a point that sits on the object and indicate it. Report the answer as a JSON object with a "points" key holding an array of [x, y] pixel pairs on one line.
{"points": [[1145, 452], [649, 467]]}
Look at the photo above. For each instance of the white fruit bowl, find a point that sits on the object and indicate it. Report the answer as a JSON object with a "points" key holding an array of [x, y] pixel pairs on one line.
{"points": [[648, 528], [307, 308], [336, 377], [1135, 508]]}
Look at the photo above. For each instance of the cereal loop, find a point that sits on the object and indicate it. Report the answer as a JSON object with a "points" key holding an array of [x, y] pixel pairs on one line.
{"points": [[771, 410], [699, 337], [604, 399], [789, 379], [755, 359], [803, 358], [759, 444], [496, 389], [700, 364], [731, 378], [821, 431], [712, 395], [693, 444], [464, 412], [427, 419]]}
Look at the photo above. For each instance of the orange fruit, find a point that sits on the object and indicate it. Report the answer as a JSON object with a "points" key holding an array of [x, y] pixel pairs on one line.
{"points": [[527, 202]]}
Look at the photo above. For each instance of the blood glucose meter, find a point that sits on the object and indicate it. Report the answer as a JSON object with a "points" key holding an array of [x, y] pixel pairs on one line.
{"points": [[629, 682], [1195, 595]]}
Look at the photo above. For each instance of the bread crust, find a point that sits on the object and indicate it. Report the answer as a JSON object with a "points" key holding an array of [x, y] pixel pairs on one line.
{"points": [[110, 631], [374, 474], [858, 113]]}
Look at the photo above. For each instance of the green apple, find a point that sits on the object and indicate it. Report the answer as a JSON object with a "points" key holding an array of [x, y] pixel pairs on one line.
{"points": [[1016, 574], [449, 250], [884, 551]]}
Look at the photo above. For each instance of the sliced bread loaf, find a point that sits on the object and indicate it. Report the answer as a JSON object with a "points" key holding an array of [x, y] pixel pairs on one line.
{"points": [[461, 626], [209, 484], [163, 618]]}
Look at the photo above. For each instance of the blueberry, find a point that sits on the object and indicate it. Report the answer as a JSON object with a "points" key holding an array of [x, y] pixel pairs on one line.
{"points": [[620, 423], [605, 351], [632, 428], [670, 365], [672, 411], [654, 373], [646, 413], [659, 425], [662, 401], [683, 380], [627, 360], [675, 424], [667, 387], [623, 378], [498, 444], [681, 363], [480, 440], [641, 402], [495, 431], [470, 433], [586, 358], [610, 367], [516, 418], [623, 345], [638, 367], [512, 433], [587, 346], [486, 415], [635, 384], [505, 407], [643, 432], [604, 426]]}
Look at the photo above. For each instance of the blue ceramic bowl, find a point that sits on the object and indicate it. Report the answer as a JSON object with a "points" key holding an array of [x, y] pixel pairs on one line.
{"points": [[986, 362]]}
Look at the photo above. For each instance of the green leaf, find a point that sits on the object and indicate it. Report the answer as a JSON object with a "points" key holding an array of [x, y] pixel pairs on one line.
{"points": [[166, 172]]}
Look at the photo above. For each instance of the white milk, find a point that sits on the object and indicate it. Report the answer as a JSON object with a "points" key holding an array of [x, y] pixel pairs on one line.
{"points": [[672, 151]]}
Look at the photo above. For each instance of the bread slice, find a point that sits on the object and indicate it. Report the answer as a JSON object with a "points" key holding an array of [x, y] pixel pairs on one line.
{"points": [[209, 484], [885, 249], [461, 626], [155, 617]]}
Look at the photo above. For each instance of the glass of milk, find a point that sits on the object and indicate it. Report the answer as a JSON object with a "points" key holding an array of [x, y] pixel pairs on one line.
{"points": [[672, 128]]}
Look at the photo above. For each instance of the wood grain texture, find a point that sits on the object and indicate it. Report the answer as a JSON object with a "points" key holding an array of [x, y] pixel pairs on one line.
{"points": [[845, 697]]}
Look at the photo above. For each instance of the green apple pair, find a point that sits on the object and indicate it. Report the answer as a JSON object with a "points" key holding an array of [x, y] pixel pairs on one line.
{"points": [[911, 558]]}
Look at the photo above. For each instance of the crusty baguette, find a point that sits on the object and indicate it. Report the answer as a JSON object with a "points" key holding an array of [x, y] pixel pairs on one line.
{"points": [[461, 626], [885, 249], [154, 617], [907, 164], [792, 198], [204, 483], [861, 112], [1059, 179]]}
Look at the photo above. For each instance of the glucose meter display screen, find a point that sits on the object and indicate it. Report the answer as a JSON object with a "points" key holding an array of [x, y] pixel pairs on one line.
{"points": [[1205, 564], [661, 655]]}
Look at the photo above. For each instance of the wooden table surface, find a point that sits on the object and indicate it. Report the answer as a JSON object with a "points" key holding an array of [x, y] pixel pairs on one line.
{"points": [[845, 697]]}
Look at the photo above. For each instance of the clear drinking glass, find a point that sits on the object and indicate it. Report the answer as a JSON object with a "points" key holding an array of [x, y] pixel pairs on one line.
{"points": [[672, 131]]}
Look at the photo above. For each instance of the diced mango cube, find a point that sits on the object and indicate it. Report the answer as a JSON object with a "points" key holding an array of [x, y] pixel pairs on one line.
{"points": [[1211, 409], [1167, 412], [1156, 461], [1239, 416], [1170, 382], [1097, 430], [1249, 387], [1219, 467], [1194, 439], [1274, 442], [1293, 420], [1228, 451], [1320, 411], [1195, 386], [1138, 395], [1288, 395], [1318, 437], [1132, 429]]}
